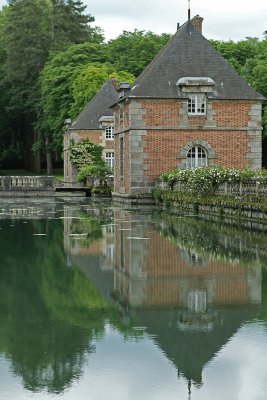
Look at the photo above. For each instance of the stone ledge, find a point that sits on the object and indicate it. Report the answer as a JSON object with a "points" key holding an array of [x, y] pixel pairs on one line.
{"points": [[133, 199]]}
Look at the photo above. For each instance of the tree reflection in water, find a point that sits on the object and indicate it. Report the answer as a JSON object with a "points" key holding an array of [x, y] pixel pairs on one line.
{"points": [[49, 313], [188, 284]]}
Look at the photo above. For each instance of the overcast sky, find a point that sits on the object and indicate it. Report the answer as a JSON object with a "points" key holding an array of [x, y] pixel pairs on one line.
{"points": [[224, 19]]}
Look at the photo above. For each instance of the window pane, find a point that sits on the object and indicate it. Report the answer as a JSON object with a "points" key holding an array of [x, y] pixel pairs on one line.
{"points": [[121, 157], [197, 104], [110, 159], [196, 157], [109, 130], [197, 301]]}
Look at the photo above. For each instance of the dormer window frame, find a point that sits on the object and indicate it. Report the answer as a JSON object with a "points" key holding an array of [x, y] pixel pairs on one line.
{"points": [[197, 104], [196, 90]]}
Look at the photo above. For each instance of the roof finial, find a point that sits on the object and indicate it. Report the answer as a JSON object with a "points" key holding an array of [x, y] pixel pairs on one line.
{"points": [[189, 11], [189, 382]]}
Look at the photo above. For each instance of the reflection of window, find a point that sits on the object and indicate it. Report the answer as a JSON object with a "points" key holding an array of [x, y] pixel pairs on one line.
{"points": [[109, 131], [197, 104], [121, 157], [110, 250], [109, 228], [122, 250], [109, 157], [197, 301], [196, 157], [192, 259]]}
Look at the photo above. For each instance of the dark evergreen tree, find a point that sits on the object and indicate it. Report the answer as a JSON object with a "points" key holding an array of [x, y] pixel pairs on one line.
{"points": [[32, 30]]}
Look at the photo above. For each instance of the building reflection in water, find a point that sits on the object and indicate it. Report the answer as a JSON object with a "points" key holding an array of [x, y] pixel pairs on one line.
{"points": [[191, 297], [89, 243]]}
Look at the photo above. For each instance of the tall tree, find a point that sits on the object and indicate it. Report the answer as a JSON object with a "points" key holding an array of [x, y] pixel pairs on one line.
{"points": [[33, 29], [56, 87]]}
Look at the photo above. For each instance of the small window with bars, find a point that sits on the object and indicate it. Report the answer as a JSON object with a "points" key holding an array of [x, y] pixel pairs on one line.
{"points": [[109, 131], [197, 104]]}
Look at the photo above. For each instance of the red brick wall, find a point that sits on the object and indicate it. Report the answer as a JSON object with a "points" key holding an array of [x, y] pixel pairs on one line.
{"points": [[165, 270], [117, 163], [162, 144], [159, 113], [126, 117], [94, 136], [231, 114], [167, 113], [163, 259], [163, 148]]}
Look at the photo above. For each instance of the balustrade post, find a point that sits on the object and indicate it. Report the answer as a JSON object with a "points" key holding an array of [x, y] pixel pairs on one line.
{"points": [[240, 188]]}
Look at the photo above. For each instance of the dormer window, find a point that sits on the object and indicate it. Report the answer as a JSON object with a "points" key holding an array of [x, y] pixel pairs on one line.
{"points": [[196, 104], [109, 130], [197, 90]]}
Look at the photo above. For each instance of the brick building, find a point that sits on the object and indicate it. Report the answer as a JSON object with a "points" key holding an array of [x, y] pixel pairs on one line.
{"points": [[95, 122], [188, 108]]}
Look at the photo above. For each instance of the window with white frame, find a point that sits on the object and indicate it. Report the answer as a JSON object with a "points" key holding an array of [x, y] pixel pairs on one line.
{"points": [[109, 157], [109, 131], [196, 157], [121, 156], [110, 251], [197, 301], [197, 104]]}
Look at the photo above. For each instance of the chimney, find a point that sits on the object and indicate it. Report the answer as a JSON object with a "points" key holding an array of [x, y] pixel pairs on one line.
{"points": [[123, 89], [197, 23]]}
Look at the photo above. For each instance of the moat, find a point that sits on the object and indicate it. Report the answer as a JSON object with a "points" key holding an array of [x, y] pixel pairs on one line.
{"points": [[98, 302]]}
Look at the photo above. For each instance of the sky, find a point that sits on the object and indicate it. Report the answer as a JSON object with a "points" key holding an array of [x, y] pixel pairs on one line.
{"points": [[131, 369], [223, 20]]}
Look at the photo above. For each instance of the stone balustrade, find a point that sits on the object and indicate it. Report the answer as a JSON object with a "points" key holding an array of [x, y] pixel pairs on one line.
{"points": [[252, 186], [26, 186]]}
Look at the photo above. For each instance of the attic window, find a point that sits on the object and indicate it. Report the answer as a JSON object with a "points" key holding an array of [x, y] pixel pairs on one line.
{"points": [[109, 130], [196, 104]]}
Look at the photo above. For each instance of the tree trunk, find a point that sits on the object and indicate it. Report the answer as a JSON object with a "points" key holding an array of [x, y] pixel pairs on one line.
{"points": [[49, 160]]}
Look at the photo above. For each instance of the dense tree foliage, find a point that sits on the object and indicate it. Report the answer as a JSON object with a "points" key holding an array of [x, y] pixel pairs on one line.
{"points": [[33, 29], [50, 312], [249, 58], [52, 61], [68, 81], [133, 51], [56, 81], [90, 80]]}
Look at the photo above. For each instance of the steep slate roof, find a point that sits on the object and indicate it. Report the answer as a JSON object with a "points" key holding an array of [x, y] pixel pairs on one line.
{"points": [[189, 54], [97, 107], [190, 351]]}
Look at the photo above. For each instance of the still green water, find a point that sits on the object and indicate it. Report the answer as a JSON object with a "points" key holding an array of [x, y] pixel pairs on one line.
{"points": [[98, 302]]}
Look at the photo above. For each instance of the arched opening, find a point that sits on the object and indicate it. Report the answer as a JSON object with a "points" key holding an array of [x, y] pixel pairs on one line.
{"points": [[196, 157]]}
